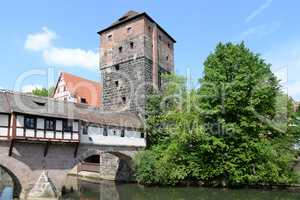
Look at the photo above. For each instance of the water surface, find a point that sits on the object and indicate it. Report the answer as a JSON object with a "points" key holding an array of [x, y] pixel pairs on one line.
{"points": [[112, 191]]}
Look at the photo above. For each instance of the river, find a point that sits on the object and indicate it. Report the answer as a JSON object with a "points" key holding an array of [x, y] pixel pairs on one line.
{"points": [[106, 190], [112, 191]]}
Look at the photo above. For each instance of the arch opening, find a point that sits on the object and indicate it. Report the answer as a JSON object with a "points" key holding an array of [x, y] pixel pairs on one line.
{"points": [[8, 178]]}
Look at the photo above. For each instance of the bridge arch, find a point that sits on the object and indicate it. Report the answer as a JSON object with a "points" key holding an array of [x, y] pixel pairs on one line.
{"points": [[17, 186], [114, 164]]}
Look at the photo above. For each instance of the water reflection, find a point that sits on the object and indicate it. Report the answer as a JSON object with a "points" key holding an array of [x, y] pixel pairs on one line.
{"points": [[111, 191]]}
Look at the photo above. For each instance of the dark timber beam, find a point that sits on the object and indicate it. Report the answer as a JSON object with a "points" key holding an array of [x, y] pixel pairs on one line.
{"points": [[76, 150], [11, 147], [46, 149]]}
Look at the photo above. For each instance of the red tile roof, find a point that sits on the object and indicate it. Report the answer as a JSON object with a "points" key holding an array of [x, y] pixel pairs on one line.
{"points": [[82, 88]]}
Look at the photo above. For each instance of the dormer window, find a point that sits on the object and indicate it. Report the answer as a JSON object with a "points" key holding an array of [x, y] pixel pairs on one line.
{"points": [[120, 49]]}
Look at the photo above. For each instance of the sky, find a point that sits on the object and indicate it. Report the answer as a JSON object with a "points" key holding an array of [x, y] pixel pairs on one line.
{"points": [[39, 39]]}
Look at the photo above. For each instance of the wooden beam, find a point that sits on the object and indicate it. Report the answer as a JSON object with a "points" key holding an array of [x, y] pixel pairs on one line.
{"points": [[14, 125], [76, 150], [46, 149], [11, 147]]}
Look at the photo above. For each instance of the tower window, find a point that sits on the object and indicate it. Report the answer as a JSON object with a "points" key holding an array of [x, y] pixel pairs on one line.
{"points": [[159, 37], [117, 83], [123, 100], [131, 45], [167, 58], [109, 37], [117, 67], [129, 30], [149, 28], [169, 45], [120, 49], [83, 100]]}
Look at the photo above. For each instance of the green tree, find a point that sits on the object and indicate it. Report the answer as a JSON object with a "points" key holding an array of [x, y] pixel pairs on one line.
{"points": [[44, 92], [236, 129], [238, 105]]}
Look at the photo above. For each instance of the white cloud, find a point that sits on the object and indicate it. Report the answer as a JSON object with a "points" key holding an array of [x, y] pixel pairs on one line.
{"points": [[259, 10], [260, 31], [29, 88], [71, 57], [40, 41], [58, 56]]}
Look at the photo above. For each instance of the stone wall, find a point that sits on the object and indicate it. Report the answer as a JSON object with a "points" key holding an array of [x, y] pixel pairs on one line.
{"points": [[28, 162], [126, 88]]}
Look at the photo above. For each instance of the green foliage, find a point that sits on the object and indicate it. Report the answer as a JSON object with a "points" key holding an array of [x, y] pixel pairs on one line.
{"points": [[237, 129], [44, 92]]}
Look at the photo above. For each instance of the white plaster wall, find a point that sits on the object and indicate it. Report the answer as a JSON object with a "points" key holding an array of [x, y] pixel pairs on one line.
{"points": [[29, 133], [40, 123], [3, 120], [115, 141], [93, 130], [75, 126], [132, 134], [3, 131], [75, 136], [67, 136], [40, 134], [20, 132], [58, 135], [49, 134], [20, 120]]}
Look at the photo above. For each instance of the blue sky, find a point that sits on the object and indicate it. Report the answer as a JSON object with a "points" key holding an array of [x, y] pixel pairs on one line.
{"points": [[38, 35]]}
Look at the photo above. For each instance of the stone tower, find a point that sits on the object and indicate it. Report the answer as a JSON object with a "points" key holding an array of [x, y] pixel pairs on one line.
{"points": [[134, 52]]}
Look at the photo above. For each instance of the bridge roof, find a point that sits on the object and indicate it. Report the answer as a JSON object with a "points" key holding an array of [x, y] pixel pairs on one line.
{"points": [[13, 102]]}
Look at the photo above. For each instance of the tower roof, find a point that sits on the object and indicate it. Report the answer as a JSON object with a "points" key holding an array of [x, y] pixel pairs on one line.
{"points": [[131, 15]]}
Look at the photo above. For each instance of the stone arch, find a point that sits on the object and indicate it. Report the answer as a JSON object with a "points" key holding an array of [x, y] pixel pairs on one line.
{"points": [[125, 161], [17, 190], [124, 171]]}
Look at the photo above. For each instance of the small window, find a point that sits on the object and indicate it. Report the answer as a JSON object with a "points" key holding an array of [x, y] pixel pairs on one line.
{"points": [[30, 122], [117, 67], [167, 58], [142, 135], [67, 125], [149, 28], [131, 45], [159, 37], [109, 37], [122, 133], [117, 83], [84, 128], [120, 49], [115, 133], [129, 29], [123, 100], [105, 131], [83, 100], [50, 124], [169, 45]]}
